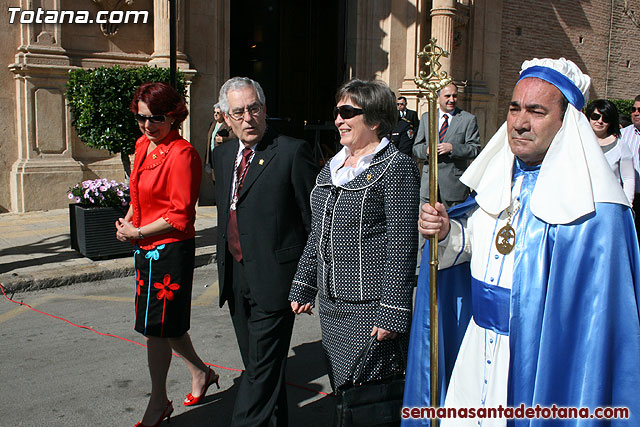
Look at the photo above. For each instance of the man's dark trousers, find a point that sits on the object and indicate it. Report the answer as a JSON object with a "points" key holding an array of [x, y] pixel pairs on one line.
{"points": [[263, 338], [273, 216]]}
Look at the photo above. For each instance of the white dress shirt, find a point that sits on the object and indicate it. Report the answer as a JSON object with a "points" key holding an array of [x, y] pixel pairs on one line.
{"points": [[237, 164], [621, 160], [341, 174], [631, 137], [441, 115]]}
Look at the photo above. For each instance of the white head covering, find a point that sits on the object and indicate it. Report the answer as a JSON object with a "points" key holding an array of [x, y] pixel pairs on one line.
{"points": [[574, 174]]}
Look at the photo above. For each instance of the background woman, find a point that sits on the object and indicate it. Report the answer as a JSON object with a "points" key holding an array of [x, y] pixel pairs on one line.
{"points": [[361, 254], [164, 184], [604, 120], [219, 132]]}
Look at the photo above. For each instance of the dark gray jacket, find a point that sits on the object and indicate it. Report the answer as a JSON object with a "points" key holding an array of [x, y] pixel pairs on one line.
{"points": [[463, 135], [364, 238]]}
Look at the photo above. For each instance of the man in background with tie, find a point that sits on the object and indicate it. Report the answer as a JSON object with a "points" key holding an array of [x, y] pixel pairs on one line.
{"points": [[264, 217], [459, 143]]}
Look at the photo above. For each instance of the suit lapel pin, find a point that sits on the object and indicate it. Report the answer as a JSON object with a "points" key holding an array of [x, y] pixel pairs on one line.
{"points": [[154, 157], [261, 162], [368, 177]]}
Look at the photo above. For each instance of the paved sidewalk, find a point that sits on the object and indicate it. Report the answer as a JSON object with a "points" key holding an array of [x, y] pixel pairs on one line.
{"points": [[35, 251]]}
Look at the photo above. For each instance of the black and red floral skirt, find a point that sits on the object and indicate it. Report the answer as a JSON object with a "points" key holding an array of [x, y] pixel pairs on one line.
{"points": [[164, 277]]}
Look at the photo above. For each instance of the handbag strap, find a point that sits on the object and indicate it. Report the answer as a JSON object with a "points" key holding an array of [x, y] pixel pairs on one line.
{"points": [[358, 365]]}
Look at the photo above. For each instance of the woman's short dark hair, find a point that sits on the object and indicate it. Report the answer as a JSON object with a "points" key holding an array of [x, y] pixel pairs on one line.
{"points": [[377, 101], [625, 121], [609, 113], [161, 99]]}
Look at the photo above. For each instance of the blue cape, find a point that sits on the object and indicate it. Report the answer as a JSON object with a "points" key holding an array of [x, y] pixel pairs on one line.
{"points": [[574, 323]]}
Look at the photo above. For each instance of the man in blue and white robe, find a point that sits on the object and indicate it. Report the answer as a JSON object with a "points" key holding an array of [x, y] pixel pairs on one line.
{"points": [[545, 292]]}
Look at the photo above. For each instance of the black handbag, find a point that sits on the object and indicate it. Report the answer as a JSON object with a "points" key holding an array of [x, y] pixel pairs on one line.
{"points": [[375, 403]]}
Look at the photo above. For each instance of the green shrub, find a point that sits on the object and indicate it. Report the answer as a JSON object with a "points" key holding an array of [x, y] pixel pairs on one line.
{"points": [[99, 101], [623, 105]]}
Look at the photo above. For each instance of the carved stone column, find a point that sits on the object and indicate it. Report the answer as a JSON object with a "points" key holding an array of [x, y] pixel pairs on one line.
{"points": [[484, 84], [162, 45], [44, 167], [412, 45], [161, 42], [443, 13], [48, 156]]}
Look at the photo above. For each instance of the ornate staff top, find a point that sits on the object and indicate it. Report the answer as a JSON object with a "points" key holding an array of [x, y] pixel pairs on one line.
{"points": [[435, 80]]}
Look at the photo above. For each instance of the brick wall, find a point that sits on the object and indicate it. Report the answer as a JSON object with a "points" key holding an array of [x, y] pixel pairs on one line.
{"points": [[578, 31], [624, 73]]}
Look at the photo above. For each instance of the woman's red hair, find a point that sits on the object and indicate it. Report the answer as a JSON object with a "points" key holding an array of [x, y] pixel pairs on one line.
{"points": [[161, 99]]}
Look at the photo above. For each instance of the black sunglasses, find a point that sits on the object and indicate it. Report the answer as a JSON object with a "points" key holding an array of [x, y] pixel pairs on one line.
{"points": [[153, 119], [634, 109], [346, 111], [596, 117]]}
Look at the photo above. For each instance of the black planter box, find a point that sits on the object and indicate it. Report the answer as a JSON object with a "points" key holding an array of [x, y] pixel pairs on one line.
{"points": [[93, 232]]}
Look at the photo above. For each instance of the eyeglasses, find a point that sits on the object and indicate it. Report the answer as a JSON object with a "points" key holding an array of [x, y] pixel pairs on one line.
{"points": [[595, 117], [346, 111], [634, 109], [153, 119], [400, 103], [253, 111]]}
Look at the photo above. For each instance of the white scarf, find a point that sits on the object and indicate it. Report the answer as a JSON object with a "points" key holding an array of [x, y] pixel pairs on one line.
{"points": [[574, 174]]}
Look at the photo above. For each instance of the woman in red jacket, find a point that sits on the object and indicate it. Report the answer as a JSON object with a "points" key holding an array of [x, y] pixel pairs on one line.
{"points": [[164, 183]]}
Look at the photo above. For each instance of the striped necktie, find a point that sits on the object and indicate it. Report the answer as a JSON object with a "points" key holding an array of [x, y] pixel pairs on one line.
{"points": [[443, 128], [233, 235]]}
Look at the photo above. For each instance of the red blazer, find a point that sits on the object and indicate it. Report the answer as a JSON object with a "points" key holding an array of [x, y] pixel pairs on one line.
{"points": [[165, 184]]}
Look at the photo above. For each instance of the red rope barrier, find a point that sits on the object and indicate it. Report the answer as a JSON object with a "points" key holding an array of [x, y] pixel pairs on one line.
{"points": [[134, 342]]}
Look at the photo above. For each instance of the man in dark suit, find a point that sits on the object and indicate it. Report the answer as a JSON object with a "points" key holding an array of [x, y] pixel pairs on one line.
{"points": [[405, 113], [402, 136], [264, 181], [459, 143]]}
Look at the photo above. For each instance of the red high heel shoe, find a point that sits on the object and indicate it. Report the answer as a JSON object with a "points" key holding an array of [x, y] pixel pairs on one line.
{"points": [[166, 413], [212, 378]]}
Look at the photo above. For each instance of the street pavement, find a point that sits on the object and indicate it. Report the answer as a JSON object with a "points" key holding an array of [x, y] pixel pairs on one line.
{"points": [[54, 373]]}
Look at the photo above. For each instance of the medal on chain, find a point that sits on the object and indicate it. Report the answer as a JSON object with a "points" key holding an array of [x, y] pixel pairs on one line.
{"points": [[506, 237], [239, 180]]}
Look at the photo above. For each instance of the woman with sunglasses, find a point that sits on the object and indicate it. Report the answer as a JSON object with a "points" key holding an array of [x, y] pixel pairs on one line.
{"points": [[604, 120], [360, 257], [164, 182]]}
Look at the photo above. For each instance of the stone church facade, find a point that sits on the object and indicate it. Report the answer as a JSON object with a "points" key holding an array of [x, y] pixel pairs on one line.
{"points": [[314, 47]]}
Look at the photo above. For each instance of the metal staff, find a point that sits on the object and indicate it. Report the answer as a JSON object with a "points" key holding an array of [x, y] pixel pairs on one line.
{"points": [[432, 82]]}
